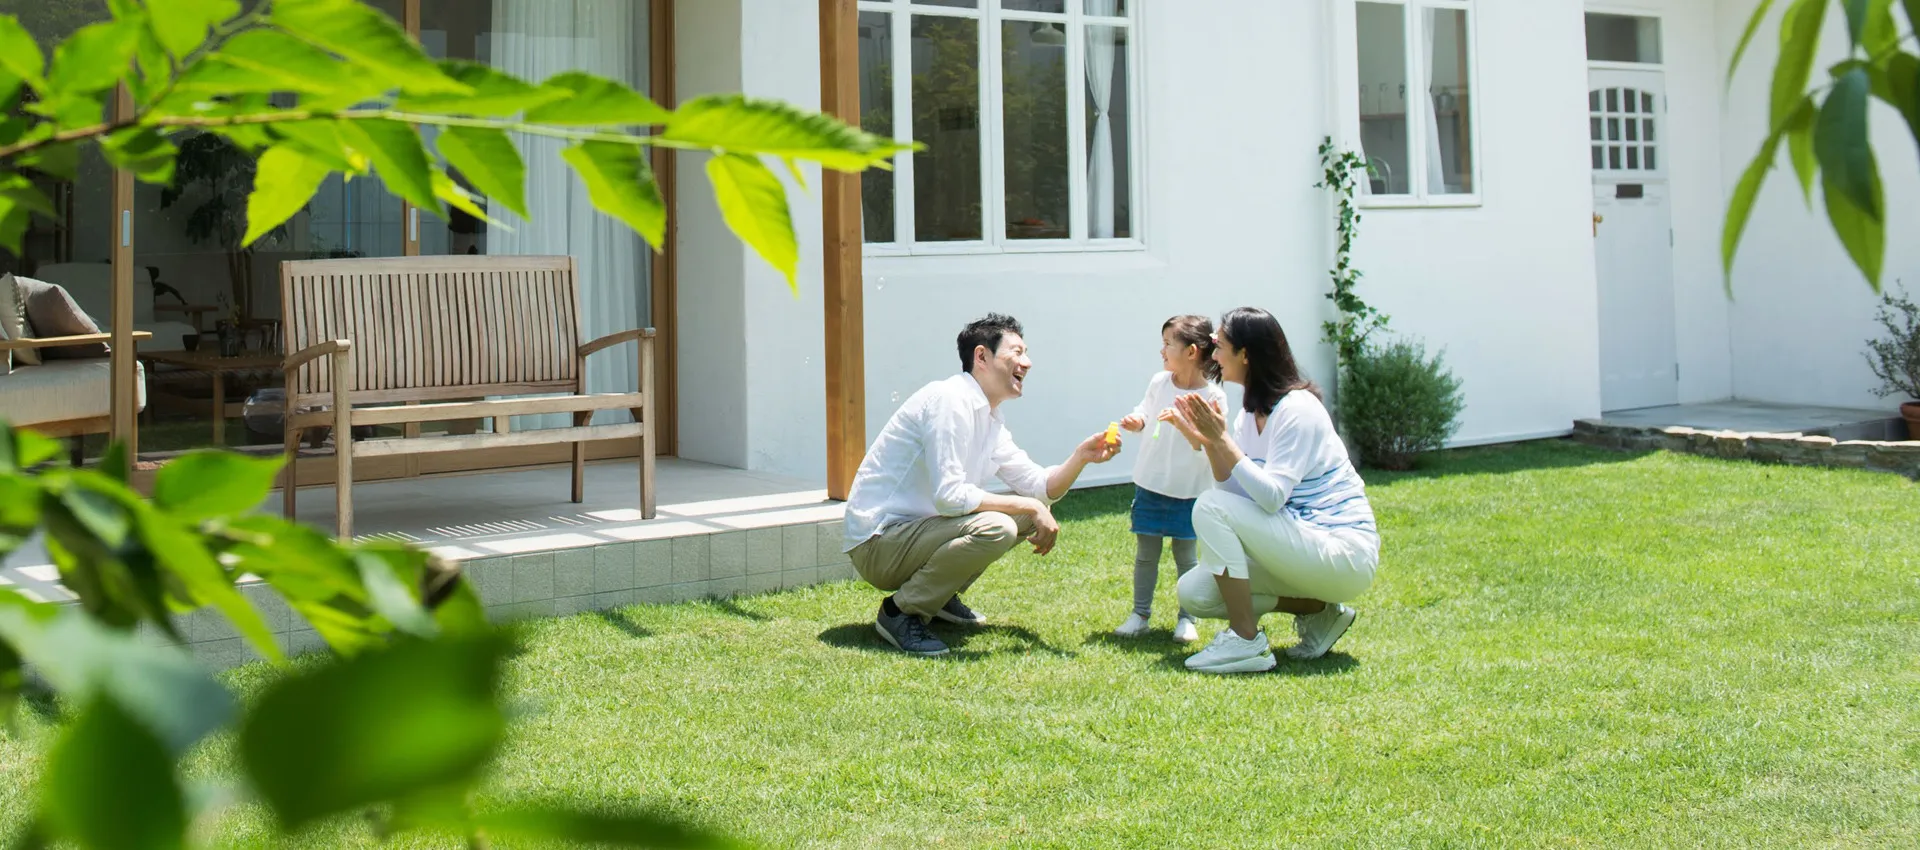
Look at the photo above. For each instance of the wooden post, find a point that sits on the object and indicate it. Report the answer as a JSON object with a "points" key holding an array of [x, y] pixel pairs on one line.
{"points": [[123, 365], [664, 312], [845, 326]]}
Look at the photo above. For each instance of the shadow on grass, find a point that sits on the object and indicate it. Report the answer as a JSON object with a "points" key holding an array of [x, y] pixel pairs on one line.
{"points": [[622, 621], [861, 636], [40, 701], [1149, 642], [732, 607], [1504, 459]]}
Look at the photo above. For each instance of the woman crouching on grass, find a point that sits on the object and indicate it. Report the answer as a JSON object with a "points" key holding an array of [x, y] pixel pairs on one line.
{"points": [[1287, 527]]}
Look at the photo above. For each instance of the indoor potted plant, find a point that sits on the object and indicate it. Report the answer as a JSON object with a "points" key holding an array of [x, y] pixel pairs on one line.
{"points": [[1895, 357]]}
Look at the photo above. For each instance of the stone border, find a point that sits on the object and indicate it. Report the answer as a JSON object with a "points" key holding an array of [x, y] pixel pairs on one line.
{"points": [[1787, 448]]}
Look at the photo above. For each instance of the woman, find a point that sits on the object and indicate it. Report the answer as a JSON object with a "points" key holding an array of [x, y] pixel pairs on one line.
{"points": [[1287, 526]]}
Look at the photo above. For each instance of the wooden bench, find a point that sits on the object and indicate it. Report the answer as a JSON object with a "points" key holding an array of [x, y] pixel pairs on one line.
{"points": [[406, 340]]}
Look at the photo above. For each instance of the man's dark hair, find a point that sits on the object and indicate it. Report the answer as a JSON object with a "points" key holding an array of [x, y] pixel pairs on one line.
{"points": [[986, 331]]}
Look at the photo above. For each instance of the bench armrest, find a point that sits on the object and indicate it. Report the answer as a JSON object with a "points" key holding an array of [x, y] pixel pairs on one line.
{"points": [[58, 341], [613, 339], [312, 352]]}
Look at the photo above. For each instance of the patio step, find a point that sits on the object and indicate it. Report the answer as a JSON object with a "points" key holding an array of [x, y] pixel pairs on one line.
{"points": [[1835, 437]]}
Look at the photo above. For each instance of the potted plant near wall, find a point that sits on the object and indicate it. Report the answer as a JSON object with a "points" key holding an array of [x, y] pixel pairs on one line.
{"points": [[1895, 356]]}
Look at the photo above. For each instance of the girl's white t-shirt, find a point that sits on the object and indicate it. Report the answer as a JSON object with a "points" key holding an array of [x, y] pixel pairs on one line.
{"points": [[1168, 464]]}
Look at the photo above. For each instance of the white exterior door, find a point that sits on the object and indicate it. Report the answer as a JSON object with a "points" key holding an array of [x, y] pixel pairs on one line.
{"points": [[1633, 241]]}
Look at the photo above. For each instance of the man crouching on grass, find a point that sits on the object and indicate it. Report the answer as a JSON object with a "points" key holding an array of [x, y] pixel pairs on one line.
{"points": [[918, 521]]}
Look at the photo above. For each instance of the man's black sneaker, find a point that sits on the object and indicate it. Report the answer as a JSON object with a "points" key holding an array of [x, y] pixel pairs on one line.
{"points": [[956, 611], [907, 634]]}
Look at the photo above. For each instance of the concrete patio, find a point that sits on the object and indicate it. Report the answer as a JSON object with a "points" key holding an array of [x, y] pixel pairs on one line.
{"points": [[1839, 423], [530, 551]]}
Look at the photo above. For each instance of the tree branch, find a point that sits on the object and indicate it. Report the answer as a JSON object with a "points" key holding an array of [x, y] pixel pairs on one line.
{"points": [[290, 115]]}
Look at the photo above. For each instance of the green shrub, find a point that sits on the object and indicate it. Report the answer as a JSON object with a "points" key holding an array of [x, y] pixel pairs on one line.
{"points": [[1895, 358], [1396, 403]]}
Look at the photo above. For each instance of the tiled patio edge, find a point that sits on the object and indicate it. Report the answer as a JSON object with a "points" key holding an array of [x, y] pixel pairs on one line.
{"points": [[719, 565], [1792, 448]]}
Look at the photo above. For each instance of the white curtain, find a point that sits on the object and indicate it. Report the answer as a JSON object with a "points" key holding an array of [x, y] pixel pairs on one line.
{"points": [[533, 40], [1436, 168], [1102, 47]]}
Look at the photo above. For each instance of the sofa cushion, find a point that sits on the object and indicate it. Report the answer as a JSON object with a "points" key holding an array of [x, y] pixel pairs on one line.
{"points": [[13, 322], [63, 390], [52, 312]]}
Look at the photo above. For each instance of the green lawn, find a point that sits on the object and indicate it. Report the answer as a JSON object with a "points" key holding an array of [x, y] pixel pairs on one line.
{"points": [[1566, 647]]}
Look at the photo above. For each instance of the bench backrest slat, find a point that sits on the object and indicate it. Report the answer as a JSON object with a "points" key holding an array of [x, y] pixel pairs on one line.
{"points": [[427, 328]]}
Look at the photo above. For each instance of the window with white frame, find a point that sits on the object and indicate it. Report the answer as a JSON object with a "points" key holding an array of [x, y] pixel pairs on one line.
{"points": [[1027, 109], [1415, 100]]}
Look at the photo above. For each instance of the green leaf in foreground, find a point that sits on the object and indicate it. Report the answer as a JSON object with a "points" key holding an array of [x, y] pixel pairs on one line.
{"points": [[621, 184], [490, 162], [206, 484], [282, 185], [754, 205], [745, 125], [336, 739], [110, 784], [596, 101]]}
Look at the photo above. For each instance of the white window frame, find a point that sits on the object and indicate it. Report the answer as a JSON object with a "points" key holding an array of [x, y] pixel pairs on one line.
{"points": [[990, 16], [1347, 77]]}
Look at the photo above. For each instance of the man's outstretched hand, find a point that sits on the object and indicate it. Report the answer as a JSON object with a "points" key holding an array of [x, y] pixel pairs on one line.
{"points": [[1096, 449]]}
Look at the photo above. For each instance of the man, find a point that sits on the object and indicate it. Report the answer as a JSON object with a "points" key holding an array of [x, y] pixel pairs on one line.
{"points": [[919, 522]]}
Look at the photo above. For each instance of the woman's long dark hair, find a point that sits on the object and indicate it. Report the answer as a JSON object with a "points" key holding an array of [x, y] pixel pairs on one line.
{"points": [[1271, 370]]}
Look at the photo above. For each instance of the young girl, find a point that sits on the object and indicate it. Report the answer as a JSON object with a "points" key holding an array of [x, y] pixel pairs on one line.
{"points": [[1172, 470]]}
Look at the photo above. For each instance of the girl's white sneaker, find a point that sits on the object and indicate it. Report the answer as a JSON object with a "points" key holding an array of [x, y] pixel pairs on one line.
{"points": [[1135, 626], [1185, 631]]}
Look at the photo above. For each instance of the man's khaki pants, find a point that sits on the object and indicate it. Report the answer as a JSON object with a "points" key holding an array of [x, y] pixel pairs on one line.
{"points": [[926, 561]]}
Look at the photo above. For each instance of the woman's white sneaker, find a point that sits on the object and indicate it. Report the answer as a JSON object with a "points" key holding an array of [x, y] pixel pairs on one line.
{"points": [[1135, 626], [1231, 653], [1318, 632]]}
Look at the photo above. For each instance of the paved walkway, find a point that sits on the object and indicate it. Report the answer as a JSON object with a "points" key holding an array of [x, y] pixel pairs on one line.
{"points": [[1759, 417]]}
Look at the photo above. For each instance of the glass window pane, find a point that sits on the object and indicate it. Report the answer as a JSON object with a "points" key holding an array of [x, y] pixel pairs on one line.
{"points": [[1613, 129], [876, 116], [1599, 160], [1107, 8], [1633, 130], [1622, 38], [946, 117], [1647, 129], [1449, 88], [1650, 165], [958, 4], [1613, 157], [1034, 109], [1054, 6], [1109, 140], [1593, 101], [1594, 132], [1633, 156], [1613, 100], [1646, 103], [1380, 30], [533, 40]]}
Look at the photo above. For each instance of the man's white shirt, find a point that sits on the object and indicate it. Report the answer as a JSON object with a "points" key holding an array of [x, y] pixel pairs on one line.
{"points": [[934, 457]]}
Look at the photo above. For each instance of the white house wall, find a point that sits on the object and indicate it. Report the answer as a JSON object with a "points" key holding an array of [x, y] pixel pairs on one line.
{"points": [[1506, 288], [1237, 97], [1802, 314], [712, 402]]}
